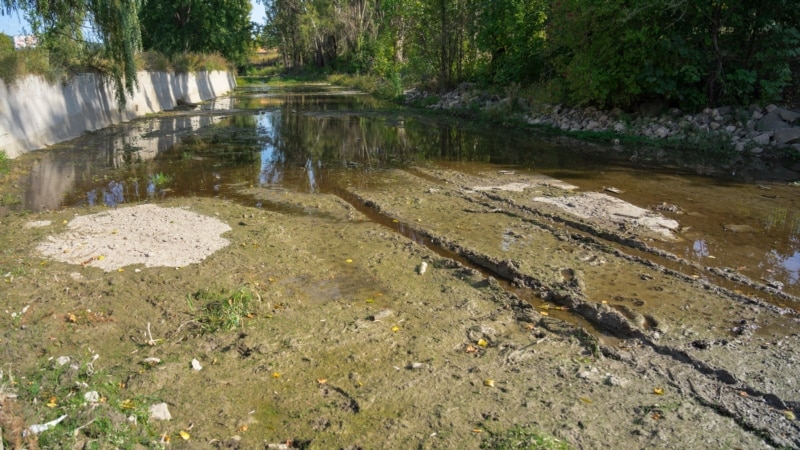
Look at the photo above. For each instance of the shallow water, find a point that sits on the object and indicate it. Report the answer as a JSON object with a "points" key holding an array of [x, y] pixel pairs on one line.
{"points": [[322, 139]]}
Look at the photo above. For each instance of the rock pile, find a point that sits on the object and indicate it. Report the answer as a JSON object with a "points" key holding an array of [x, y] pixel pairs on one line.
{"points": [[753, 129]]}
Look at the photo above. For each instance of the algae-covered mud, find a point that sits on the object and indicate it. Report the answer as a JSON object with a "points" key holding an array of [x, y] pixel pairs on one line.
{"points": [[285, 301]]}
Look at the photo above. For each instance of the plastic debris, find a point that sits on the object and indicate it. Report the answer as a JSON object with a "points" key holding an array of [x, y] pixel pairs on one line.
{"points": [[40, 427]]}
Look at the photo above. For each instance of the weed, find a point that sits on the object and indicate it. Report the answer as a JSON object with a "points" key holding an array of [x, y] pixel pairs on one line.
{"points": [[221, 310], [94, 405], [161, 179], [522, 438], [5, 162]]}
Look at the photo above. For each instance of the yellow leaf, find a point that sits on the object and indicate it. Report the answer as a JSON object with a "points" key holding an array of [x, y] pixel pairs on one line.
{"points": [[477, 430], [658, 391], [544, 313], [52, 403], [348, 260], [395, 220], [586, 400], [101, 257], [185, 435], [120, 270], [369, 300], [127, 404], [271, 279], [276, 374], [789, 415], [482, 343], [489, 383], [395, 328], [242, 428]]}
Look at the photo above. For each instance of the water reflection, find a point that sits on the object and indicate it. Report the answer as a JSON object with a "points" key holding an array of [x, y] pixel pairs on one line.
{"points": [[313, 139]]}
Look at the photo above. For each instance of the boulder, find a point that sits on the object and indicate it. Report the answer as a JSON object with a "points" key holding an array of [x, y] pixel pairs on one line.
{"points": [[787, 136], [788, 116], [771, 122]]}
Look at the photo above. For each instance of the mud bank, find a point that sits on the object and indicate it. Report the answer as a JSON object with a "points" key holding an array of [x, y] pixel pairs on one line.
{"points": [[35, 113], [351, 343]]}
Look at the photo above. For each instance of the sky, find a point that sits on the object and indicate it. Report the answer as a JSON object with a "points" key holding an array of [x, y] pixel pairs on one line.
{"points": [[13, 25]]}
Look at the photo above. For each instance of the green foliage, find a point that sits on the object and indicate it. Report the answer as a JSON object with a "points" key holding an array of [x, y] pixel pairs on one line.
{"points": [[185, 27], [522, 438], [692, 53], [115, 418], [5, 162], [222, 310]]}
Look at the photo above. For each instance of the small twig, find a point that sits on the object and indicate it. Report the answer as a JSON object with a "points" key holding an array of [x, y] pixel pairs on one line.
{"points": [[75, 433], [150, 340]]}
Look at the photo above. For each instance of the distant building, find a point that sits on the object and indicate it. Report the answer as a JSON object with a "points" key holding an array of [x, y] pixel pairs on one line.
{"points": [[25, 41]]}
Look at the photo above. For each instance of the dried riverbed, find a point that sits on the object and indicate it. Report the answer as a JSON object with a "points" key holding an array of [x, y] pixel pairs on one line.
{"points": [[519, 314]]}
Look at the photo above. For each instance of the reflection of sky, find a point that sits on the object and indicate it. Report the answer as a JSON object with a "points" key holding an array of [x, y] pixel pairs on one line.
{"points": [[700, 248], [790, 263], [312, 179], [271, 161]]}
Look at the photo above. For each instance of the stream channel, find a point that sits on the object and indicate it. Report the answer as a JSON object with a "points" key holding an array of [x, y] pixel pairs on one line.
{"points": [[715, 294]]}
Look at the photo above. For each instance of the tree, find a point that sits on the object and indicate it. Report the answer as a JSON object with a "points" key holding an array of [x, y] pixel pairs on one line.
{"points": [[202, 26], [115, 22]]}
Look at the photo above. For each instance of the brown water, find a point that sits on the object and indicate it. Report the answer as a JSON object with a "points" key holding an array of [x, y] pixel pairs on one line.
{"points": [[323, 139]]}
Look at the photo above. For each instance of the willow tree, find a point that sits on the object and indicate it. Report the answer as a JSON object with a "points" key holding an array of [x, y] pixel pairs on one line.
{"points": [[114, 22]]}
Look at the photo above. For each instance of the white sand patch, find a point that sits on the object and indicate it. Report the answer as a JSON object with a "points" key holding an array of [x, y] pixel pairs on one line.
{"points": [[145, 234]]}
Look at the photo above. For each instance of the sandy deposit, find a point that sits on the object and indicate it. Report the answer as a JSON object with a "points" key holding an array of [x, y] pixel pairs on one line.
{"points": [[144, 234]]}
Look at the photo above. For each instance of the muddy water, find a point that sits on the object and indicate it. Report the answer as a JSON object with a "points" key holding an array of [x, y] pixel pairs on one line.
{"points": [[317, 138]]}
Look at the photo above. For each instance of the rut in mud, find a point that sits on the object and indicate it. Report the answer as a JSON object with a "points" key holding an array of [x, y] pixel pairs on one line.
{"points": [[425, 307]]}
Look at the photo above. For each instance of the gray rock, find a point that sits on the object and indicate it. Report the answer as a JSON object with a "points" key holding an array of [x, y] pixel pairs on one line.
{"points": [[771, 122], [787, 136], [771, 108], [788, 116], [757, 115], [762, 139], [756, 150]]}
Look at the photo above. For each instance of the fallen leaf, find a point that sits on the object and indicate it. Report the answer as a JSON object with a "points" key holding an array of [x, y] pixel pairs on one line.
{"points": [[52, 403], [529, 326], [471, 348], [276, 374], [586, 400], [395, 328], [322, 380], [789, 415], [369, 300], [544, 313], [743, 394], [127, 404], [71, 318], [348, 260], [658, 391], [185, 435], [489, 383], [477, 430], [242, 428], [482, 343], [656, 416]]}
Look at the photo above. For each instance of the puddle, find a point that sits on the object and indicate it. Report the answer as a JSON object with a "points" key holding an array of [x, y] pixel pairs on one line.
{"points": [[323, 139]]}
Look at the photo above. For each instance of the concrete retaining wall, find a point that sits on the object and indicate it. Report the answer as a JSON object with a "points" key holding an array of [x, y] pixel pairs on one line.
{"points": [[35, 113]]}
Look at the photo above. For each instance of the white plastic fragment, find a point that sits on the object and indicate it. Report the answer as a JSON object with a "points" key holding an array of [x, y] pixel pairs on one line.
{"points": [[92, 396], [40, 427], [423, 267], [196, 365], [159, 411]]}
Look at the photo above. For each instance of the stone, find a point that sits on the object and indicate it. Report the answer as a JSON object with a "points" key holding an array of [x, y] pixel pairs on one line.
{"points": [[771, 108], [757, 115], [788, 116], [762, 139], [787, 136], [771, 122], [756, 150]]}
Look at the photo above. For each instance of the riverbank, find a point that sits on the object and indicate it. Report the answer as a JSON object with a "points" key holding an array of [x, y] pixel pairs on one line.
{"points": [[35, 113], [764, 141]]}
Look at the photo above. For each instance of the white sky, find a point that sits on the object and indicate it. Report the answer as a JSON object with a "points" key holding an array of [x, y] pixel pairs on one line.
{"points": [[13, 25]]}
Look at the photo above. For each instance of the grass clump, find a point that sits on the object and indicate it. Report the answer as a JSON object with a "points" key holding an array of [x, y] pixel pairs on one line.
{"points": [[523, 438], [223, 310], [97, 409], [5, 163]]}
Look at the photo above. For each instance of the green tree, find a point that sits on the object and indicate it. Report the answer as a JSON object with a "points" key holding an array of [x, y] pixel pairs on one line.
{"points": [[202, 26]]}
